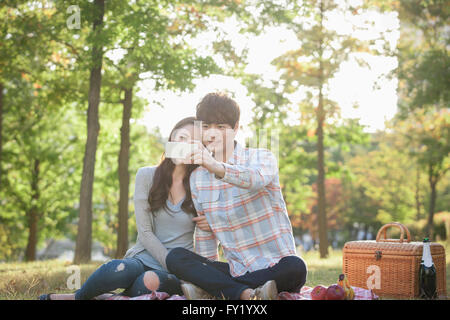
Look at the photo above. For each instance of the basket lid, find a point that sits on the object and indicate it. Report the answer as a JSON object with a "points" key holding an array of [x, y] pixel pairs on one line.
{"points": [[393, 248]]}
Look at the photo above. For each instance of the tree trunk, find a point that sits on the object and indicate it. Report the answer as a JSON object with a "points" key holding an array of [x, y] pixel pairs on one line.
{"points": [[124, 176], [433, 181], [417, 195], [322, 218], [32, 219], [1, 131], [32, 215], [84, 236]]}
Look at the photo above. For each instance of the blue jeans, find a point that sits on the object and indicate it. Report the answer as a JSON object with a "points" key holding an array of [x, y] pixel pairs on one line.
{"points": [[126, 274], [214, 276]]}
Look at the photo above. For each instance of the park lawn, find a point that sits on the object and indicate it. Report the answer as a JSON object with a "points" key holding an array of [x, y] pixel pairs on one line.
{"points": [[322, 271], [27, 281]]}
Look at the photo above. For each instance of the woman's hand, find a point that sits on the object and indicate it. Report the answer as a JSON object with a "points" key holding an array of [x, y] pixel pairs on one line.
{"points": [[202, 223]]}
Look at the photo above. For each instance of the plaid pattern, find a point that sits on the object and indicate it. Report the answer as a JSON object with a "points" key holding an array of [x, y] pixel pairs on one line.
{"points": [[245, 210], [154, 295], [304, 294]]}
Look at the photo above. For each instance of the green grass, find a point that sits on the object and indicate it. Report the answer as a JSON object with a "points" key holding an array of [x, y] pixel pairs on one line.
{"points": [[26, 281], [21, 280], [322, 271]]}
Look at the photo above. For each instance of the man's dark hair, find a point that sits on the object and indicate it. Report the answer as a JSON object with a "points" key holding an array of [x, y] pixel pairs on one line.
{"points": [[218, 107]]}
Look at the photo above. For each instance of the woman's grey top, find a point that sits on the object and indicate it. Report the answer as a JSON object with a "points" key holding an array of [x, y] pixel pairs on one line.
{"points": [[158, 234]]}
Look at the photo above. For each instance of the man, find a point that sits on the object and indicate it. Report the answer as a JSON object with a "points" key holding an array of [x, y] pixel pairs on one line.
{"points": [[238, 191]]}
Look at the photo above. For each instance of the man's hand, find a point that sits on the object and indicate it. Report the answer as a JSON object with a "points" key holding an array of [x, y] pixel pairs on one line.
{"points": [[203, 157], [202, 223]]}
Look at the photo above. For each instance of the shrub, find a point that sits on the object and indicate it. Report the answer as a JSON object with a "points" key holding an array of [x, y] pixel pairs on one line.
{"points": [[441, 227]]}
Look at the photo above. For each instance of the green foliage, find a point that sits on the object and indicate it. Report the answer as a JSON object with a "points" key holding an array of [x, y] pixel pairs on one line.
{"points": [[428, 136], [40, 173], [36, 145], [384, 177], [423, 55], [429, 81]]}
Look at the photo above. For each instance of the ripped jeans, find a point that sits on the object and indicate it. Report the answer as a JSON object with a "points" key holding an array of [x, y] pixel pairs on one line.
{"points": [[127, 274]]}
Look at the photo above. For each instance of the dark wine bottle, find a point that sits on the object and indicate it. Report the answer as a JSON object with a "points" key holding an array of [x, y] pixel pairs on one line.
{"points": [[427, 273]]}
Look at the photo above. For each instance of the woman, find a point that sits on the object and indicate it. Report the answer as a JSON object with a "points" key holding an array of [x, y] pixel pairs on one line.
{"points": [[165, 219]]}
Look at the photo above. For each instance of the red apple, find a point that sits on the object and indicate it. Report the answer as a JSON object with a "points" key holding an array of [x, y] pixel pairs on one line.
{"points": [[319, 293], [335, 292]]}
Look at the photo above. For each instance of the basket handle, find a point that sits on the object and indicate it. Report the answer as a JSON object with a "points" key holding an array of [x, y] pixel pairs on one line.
{"points": [[402, 228]]}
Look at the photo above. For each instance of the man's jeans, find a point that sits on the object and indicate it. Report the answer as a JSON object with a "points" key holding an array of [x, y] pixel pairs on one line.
{"points": [[127, 274], [214, 277]]}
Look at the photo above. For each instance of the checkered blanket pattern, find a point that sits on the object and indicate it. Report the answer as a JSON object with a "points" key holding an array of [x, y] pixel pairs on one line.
{"points": [[304, 294]]}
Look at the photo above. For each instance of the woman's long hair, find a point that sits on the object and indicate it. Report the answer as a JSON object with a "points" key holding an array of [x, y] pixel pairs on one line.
{"points": [[162, 180]]}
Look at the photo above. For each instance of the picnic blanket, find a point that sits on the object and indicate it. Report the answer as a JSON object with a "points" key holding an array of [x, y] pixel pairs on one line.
{"points": [[304, 294]]}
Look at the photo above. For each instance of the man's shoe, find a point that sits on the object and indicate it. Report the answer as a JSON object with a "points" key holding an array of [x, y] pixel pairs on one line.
{"points": [[192, 292], [268, 291]]}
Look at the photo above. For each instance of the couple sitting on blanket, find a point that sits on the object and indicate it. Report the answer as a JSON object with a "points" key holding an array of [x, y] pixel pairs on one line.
{"points": [[224, 192]]}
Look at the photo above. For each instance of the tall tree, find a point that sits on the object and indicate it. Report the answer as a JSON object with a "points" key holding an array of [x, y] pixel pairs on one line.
{"points": [[25, 55], [427, 133], [424, 86], [124, 176], [1, 130], [84, 236], [310, 68], [152, 49]]}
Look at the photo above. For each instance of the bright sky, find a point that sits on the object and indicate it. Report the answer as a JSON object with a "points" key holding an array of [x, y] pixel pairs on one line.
{"points": [[352, 85]]}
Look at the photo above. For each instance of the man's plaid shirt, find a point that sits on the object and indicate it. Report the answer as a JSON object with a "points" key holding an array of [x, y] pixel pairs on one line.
{"points": [[245, 210]]}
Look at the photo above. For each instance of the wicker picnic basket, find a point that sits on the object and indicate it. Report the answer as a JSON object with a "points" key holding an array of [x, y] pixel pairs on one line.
{"points": [[394, 263]]}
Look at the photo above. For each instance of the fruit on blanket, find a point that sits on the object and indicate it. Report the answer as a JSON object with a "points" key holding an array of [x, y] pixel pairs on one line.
{"points": [[319, 293], [343, 282], [335, 292]]}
